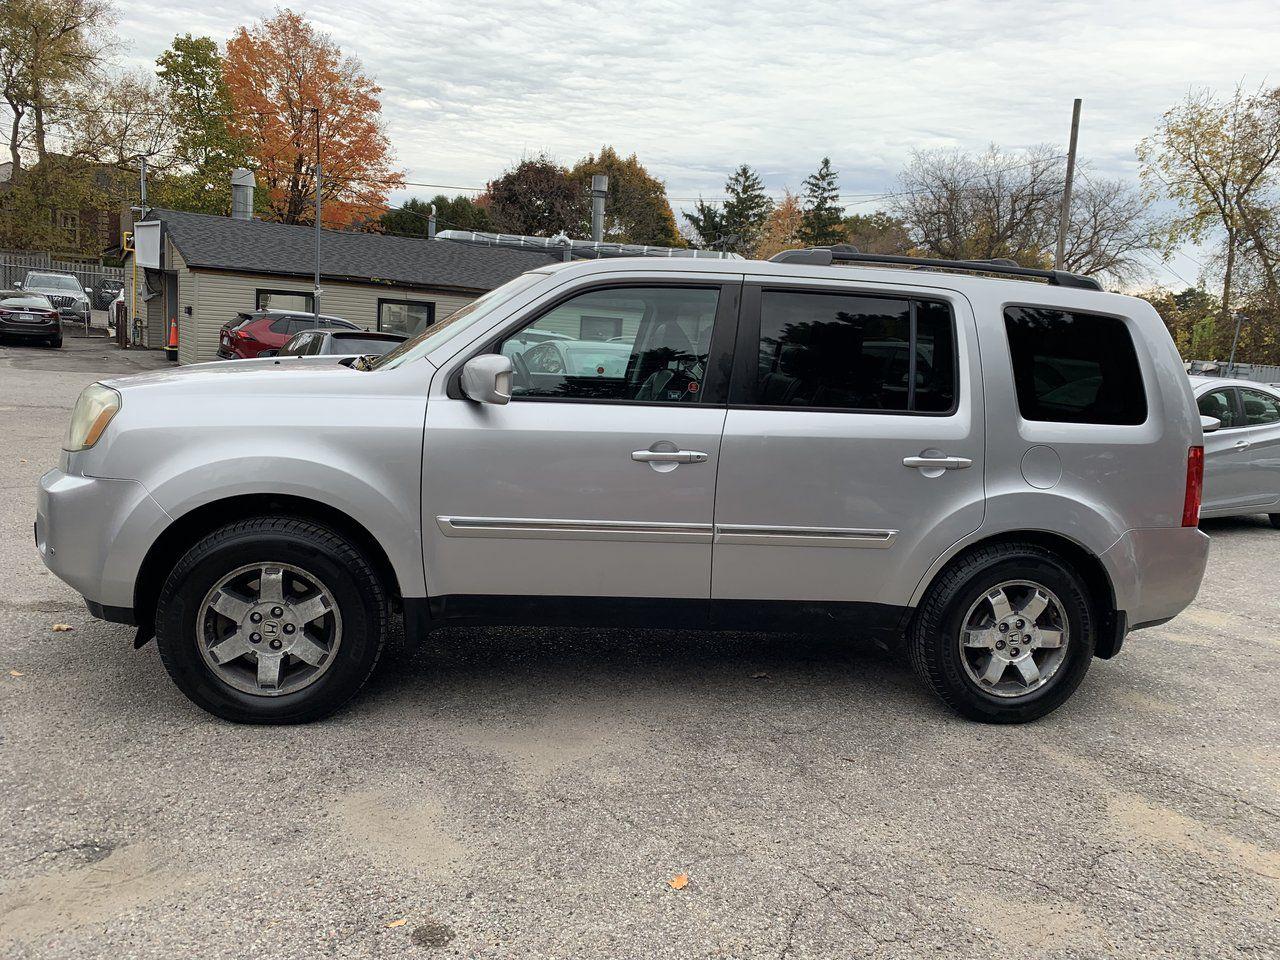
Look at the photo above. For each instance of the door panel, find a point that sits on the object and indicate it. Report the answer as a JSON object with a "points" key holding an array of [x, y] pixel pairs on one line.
{"points": [[598, 478], [822, 505], [545, 498], [1262, 457], [1226, 458]]}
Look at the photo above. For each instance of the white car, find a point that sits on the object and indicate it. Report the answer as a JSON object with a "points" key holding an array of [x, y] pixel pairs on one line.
{"points": [[1241, 457]]}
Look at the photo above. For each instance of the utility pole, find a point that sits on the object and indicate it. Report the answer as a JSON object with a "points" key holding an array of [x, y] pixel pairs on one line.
{"points": [[315, 297], [599, 190], [1231, 364], [1065, 214]]}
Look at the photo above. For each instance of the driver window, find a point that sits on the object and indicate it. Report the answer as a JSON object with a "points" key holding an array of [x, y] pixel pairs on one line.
{"points": [[641, 344]]}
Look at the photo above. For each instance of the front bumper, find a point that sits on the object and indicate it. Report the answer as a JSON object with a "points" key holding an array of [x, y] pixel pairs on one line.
{"points": [[1156, 572], [94, 534]]}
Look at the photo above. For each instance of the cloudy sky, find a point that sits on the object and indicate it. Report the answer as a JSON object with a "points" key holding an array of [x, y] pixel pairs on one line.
{"points": [[696, 88]]}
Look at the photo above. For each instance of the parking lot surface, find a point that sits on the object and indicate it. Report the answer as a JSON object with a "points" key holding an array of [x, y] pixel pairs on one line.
{"points": [[537, 793]]}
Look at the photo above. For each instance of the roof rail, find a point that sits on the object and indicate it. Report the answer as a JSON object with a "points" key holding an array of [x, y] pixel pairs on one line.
{"points": [[579, 249], [843, 253]]}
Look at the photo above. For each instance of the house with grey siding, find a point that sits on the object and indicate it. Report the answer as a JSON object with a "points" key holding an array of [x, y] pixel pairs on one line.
{"points": [[203, 270]]}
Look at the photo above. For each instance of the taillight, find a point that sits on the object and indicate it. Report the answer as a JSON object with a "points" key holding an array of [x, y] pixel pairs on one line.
{"points": [[1195, 487]]}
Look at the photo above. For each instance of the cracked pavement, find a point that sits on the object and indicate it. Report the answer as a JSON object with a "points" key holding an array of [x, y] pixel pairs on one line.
{"points": [[530, 793]]}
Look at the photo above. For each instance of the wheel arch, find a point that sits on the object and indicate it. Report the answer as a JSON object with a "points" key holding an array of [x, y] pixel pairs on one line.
{"points": [[191, 526], [1111, 625]]}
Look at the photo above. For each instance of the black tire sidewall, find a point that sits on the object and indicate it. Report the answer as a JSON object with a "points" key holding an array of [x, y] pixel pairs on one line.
{"points": [[214, 557], [944, 640]]}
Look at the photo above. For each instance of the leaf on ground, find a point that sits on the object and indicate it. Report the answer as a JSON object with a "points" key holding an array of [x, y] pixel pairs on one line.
{"points": [[398, 923], [679, 881], [760, 676], [61, 627], [22, 461], [16, 673]]}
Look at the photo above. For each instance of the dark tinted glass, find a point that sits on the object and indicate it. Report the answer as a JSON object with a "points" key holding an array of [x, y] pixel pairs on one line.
{"points": [[832, 351], [1218, 404], [1074, 367], [283, 325], [1259, 407], [935, 358]]}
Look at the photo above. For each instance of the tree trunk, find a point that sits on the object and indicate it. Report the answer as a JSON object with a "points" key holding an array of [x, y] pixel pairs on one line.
{"points": [[1227, 276], [15, 137], [1264, 258], [38, 112]]}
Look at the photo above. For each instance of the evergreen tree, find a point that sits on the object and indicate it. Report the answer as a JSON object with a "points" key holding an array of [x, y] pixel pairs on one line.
{"points": [[823, 222], [738, 224]]}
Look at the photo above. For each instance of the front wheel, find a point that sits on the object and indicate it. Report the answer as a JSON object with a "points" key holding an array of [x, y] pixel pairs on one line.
{"points": [[1275, 519], [271, 620], [1005, 635]]}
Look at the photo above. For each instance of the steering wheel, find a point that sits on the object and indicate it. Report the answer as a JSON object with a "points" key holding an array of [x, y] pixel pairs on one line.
{"points": [[521, 368]]}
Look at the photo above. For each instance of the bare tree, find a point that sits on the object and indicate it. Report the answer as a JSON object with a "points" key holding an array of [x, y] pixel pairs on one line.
{"points": [[999, 205]]}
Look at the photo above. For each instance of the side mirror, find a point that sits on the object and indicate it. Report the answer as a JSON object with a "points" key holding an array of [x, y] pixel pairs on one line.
{"points": [[487, 378], [1209, 424], [89, 291], [17, 284]]}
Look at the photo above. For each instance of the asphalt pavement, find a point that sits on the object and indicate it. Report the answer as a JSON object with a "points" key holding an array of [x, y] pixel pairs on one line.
{"points": [[542, 793]]}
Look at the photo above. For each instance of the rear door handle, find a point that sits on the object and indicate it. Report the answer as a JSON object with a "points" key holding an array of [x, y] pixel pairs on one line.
{"points": [[669, 456], [1243, 444], [938, 463]]}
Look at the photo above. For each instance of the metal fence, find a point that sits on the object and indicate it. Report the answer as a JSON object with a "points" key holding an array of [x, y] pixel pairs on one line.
{"points": [[1257, 372], [14, 267]]}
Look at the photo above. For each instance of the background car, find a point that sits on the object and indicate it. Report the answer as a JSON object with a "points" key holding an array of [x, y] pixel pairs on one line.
{"points": [[339, 342], [105, 291], [249, 334], [1241, 457], [30, 316], [63, 291]]}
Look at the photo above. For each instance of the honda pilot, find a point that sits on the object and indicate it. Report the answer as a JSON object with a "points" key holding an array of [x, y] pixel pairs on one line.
{"points": [[997, 468]]}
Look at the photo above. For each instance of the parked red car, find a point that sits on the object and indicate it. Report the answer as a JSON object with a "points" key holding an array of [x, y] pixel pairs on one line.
{"points": [[249, 334]]}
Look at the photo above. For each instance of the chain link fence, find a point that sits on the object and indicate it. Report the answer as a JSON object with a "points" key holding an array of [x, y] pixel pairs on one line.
{"points": [[14, 267]]}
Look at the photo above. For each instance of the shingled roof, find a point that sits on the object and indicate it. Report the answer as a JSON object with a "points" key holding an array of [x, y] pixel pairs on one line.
{"points": [[209, 242]]}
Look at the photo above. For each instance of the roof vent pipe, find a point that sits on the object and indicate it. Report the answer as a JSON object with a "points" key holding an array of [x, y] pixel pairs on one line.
{"points": [[242, 184]]}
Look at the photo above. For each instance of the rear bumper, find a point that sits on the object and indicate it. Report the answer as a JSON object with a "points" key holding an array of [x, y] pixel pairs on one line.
{"points": [[94, 534], [1156, 572], [35, 331]]}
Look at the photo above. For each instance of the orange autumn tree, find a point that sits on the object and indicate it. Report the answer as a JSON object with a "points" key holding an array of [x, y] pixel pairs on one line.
{"points": [[276, 73]]}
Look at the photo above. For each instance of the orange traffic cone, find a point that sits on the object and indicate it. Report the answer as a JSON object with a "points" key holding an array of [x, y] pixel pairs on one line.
{"points": [[171, 351]]}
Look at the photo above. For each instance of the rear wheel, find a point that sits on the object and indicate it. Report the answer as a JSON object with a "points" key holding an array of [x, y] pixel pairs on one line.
{"points": [[1275, 519], [55, 342], [271, 620], [1006, 634]]}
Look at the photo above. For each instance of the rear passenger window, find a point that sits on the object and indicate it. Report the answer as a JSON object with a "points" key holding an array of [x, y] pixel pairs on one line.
{"points": [[1074, 367], [842, 352], [1218, 405], [1259, 407]]}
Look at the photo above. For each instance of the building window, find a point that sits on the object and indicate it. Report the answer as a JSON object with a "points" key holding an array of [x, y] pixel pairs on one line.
{"points": [[69, 224], [285, 300], [409, 317]]}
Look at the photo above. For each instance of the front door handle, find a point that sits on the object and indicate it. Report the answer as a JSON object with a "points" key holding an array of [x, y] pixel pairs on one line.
{"points": [[937, 463], [669, 456], [1243, 444]]}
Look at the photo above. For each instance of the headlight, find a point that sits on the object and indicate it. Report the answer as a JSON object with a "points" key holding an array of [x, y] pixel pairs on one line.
{"points": [[93, 411]]}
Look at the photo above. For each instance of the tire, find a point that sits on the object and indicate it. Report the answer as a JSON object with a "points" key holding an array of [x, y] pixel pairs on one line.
{"points": [[935, 636], [1275, 519], [55, 342], [297, 554]]}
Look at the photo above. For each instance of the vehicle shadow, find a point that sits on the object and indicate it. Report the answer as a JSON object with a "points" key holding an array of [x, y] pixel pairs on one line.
{"points": [[1233, 526]]}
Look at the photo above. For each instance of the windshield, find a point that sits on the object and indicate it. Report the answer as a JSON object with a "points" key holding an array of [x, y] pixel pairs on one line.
{"points": [[53, 281], [437, 333]]}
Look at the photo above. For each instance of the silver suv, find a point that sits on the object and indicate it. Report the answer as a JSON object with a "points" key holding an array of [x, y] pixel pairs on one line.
{"points": [[1003, 473]]}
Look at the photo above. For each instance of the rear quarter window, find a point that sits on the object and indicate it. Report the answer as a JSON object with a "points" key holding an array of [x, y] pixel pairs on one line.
{"points": [[1072, 367]]}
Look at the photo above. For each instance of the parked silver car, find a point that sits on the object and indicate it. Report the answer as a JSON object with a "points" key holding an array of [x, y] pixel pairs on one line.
{"points": [[1242, 456], [1005, 473], [62, 290]]}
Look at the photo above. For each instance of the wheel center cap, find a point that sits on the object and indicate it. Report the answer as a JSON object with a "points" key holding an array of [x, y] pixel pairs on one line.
{"points": [[271, 629]]}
